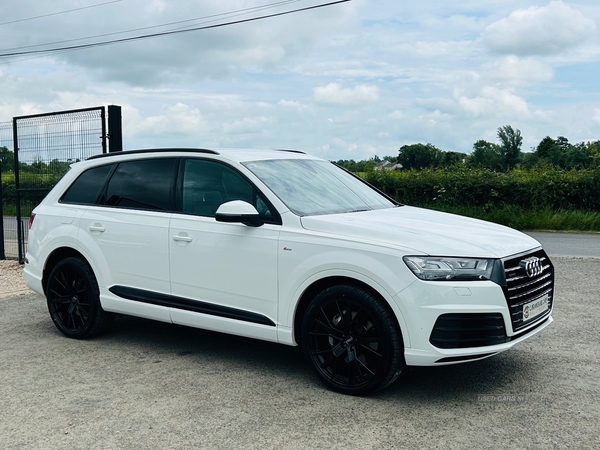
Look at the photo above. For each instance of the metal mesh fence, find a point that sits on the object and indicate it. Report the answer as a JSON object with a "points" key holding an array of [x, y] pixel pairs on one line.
{"points": [[47, 144], [8, 222], [6, 135]]}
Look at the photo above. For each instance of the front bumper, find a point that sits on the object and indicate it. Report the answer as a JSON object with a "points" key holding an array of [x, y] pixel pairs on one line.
{"points": [[453, 322]]}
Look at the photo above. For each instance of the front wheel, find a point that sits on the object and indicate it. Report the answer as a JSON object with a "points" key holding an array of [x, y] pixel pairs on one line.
{"points": [[74, 300], [352, 340]]}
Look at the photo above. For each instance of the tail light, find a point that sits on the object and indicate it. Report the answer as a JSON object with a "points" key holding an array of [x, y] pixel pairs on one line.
{"points": [[31, 221]]}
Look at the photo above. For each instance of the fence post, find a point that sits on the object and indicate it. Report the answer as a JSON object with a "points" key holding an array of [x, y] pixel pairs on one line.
{"points": [[115, 129], [2, 252], [17, 192]]}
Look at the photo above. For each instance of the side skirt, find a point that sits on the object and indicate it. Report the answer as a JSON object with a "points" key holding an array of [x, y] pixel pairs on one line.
{"points": [[186, 304]]}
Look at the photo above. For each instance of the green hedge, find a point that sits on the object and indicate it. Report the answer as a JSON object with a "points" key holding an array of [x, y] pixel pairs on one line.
{"points": [[549, 189], [27, 181], [476, 192]]}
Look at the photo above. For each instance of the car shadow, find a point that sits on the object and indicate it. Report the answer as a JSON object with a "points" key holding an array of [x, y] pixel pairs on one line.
{"points": [[443, 384]]}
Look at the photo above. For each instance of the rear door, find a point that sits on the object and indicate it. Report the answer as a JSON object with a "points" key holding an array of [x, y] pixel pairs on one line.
{"points": [[127, 236]]}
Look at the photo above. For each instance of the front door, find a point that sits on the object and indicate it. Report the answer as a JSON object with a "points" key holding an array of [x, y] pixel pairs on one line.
{"points": [[223, 274]]}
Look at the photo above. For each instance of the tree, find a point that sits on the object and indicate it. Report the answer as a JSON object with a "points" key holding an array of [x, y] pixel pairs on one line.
{"points": [[360, 166], [510, 143], [594, 151], [419, 156], [487, 155], [449, 159], [8, 159], [546, 148], [561, 153]]}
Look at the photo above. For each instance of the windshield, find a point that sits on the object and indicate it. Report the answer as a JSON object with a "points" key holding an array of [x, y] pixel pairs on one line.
{"points": [[314, 187]]}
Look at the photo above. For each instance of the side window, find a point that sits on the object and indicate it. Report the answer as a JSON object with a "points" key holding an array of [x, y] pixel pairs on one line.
{"points": [[86, 188], [143, 184], [208, 184]]}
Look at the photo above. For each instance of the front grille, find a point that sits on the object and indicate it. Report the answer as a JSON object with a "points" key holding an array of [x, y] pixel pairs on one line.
{"points": [[468, 330], [522, 288]]}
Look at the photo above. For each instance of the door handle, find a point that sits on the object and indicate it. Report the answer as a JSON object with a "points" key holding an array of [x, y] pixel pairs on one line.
{"points": [[182, 238], [97, 227]]}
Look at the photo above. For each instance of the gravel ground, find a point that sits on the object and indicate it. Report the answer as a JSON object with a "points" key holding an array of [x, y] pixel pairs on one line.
{"points": [[149, 385], [11, 279]]}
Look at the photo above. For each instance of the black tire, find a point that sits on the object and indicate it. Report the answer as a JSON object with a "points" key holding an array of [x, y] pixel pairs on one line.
{"points": [[74, 300], [352, 340]]}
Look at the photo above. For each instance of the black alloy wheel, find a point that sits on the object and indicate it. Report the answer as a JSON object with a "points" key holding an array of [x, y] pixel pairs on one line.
{"points": [[74, 300], [352, 340]]}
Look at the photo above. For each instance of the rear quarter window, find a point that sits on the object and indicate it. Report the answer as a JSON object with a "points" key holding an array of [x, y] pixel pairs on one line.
{"points": [[87, 187]]}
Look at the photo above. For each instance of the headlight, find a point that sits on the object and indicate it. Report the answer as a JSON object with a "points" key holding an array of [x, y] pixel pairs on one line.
{"points": [[435, 268]]}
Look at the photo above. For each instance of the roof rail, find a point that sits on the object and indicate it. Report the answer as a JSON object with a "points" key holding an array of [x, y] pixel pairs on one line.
{"points": [[291, 151], [155, 150]]}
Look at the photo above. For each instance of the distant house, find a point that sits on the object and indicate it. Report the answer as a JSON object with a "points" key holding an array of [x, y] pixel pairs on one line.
{"points": [[388, 165]]}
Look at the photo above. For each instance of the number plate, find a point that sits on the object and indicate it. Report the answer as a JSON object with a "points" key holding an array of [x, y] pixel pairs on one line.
{"points": [[535, 308]]}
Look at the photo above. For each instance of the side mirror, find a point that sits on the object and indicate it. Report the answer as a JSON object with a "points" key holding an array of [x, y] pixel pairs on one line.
{"points": [[239, 211]]}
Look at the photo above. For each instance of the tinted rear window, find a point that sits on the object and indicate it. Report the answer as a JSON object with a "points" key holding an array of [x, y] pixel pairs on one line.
{"points": [[87, 187], [143, 184]]}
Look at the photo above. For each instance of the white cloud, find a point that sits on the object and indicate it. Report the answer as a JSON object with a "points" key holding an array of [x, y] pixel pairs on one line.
{"points": [[350, 150], [247, 125], [518, 71], [350, 147], [292, 106], [348, 81], [334, 93], [596, 117], [495, 102], [396, 115], [546, 30], [435, 117], [176, 119]]}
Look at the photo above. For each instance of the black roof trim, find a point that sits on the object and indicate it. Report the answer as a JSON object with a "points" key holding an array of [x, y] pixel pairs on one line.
{"points": [[291, 151], [155, 150]]}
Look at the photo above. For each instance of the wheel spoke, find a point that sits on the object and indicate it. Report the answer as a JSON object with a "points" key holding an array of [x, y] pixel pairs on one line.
{"points": [[355, 365], [59, 302], [370, 340], [58, 295], [343, 322], [60, 289], [70, 323], [333, 332], [356, 316], [327, 367], [320, 352], [326, 318], [370, 349], [360, 363], [338, 350]]}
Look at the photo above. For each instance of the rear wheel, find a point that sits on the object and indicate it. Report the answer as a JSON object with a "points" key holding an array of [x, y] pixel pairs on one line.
{"points": [[74, 300], [352, 340]]}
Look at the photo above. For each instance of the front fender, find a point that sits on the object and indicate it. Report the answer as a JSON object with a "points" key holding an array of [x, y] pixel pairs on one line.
{"points": [[301, 264]]}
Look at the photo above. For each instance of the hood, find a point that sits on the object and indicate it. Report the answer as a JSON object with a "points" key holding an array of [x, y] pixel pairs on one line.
{"points": [[423, 231]]}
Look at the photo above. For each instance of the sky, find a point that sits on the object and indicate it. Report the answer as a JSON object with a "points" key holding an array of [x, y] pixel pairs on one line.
{"points": [[346, 81]]}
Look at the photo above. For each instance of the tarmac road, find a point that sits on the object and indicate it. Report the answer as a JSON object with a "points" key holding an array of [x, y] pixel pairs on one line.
{"points": [[581, 245], [149, 385]]}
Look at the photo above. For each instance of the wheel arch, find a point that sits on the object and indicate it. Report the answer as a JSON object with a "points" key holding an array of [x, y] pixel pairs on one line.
{"points": [[320, 285], [54, 258]]}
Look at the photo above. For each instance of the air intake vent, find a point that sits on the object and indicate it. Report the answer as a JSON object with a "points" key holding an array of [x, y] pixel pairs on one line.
{"points": [[468, 330]]}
